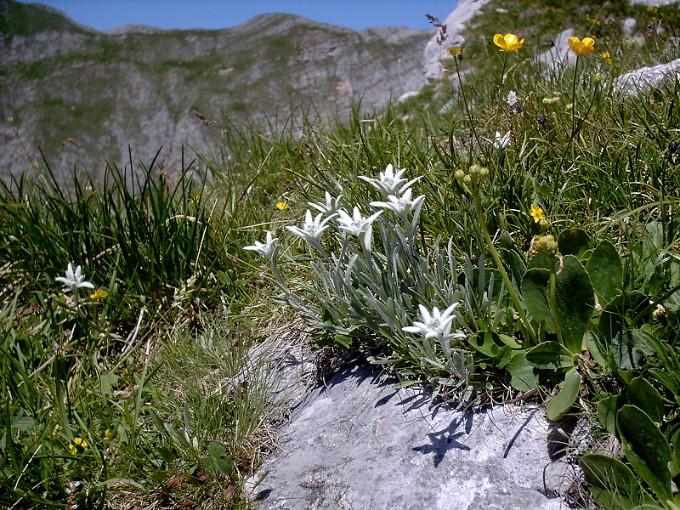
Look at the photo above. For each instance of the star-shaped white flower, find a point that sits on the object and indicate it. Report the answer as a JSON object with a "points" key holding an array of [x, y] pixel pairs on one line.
{"points": [[74, 280], [312, 229], [501, 141], [266, 249], [512, 98], [390, 183], [435, 324], [358, 225], [330, 207], [402, 205]]}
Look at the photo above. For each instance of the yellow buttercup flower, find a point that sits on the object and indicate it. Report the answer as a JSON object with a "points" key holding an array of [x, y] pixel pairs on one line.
{"points": [[78, 445], [281, 205], [537, 213], [583, 46], [606, 56], [456, 52], [99, 295], [508, 42]]}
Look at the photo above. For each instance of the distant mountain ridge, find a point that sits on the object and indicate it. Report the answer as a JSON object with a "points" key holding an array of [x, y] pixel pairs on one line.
{"points": [[84, 95]]}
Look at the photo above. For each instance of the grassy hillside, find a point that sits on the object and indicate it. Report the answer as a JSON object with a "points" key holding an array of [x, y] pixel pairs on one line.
{"points": [[174, 88], [25, 19], [549, 254]]}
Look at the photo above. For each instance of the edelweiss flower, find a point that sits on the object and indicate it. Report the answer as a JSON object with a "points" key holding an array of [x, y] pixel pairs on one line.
{"points": [[435, 324], [402, 205], [74, 280], [501, 141], [265, 249], [390, 183], [330, 207], [358, 225], [312, 229]]}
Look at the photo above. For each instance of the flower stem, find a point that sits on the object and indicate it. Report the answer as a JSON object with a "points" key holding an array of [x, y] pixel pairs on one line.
{"points": [[573, 98], [501, 269], [500, 86], [465, 104], [575, 130]]}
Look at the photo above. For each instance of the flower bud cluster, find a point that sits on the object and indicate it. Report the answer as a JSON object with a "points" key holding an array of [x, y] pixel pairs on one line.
{"points": [[543, 244], [476, 174]]}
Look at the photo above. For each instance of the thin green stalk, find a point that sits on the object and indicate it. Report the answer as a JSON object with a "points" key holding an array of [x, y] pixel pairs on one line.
{"points": [[500, 86], [465, 104], [499, 264], [573, 97], [575, 129]]}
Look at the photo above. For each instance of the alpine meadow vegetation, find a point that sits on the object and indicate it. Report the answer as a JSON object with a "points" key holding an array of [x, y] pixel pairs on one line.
{"points": [[509, 234]]}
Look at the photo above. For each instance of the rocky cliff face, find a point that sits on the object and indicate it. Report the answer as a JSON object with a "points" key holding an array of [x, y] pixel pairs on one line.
{"points": [[84, 96]]}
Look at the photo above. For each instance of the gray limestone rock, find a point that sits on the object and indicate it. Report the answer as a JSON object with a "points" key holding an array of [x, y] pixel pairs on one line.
{"points": [[559, 54], [455, 24], [629, 25], [644, 78], [362, 443]]}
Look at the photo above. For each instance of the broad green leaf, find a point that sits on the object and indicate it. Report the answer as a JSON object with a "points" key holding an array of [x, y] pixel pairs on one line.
{"points": [[605, 271], [522, 376], [107, 382], [645, 448], [605, 474], [542, 260], [343, 340], [515, 264], [573, 241], [596, 349], [606, 412], [620, 312], [675, 462], [484, 343], [561, 403], [575, 302], [647, 398], [550, 356], [217, 462], [509, 341], [535, 295]]}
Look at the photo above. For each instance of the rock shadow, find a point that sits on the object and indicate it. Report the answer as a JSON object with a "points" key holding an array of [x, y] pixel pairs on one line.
{"points": [[442, 441]]}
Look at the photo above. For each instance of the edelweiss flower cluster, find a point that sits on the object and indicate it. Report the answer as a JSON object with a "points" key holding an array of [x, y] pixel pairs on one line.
{"points": [[398, 199]]}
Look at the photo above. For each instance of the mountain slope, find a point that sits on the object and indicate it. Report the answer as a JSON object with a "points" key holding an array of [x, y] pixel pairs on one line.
{"points": [[83, 96]]}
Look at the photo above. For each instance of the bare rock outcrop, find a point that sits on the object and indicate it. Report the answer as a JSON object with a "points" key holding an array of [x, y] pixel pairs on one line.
{"points": [[644, 78], [455, 22], [361, 443]]}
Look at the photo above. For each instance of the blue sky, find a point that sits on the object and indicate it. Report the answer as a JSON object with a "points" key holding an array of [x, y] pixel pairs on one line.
{"points": [[357, 14]]}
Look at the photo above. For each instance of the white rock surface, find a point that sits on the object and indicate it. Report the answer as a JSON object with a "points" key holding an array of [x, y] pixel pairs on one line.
{"points": [[361, 443], [645, 78], [455, 24], [559, 55], [407, 95], [629, 26], [654, 3]]}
